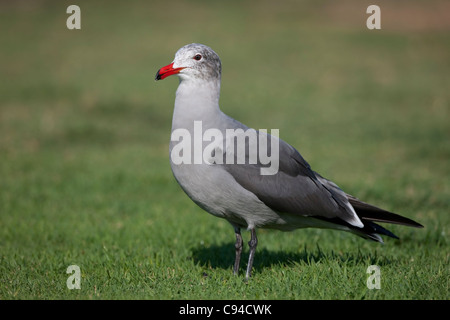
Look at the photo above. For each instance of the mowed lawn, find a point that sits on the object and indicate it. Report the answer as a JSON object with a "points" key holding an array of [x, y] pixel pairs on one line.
{"points": [[84, 130]]}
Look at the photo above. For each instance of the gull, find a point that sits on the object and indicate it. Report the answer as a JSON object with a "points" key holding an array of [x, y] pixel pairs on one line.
{"points": [[290, 197]]}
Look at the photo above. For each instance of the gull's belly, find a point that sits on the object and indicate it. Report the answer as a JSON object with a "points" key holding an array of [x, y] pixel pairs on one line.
{"points": [[216, 191]]}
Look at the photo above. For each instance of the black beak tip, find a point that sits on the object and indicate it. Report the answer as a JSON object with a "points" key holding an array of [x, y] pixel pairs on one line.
{"points": [[158, 76]]}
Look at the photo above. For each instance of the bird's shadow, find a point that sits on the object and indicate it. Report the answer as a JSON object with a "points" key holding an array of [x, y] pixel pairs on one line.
{"points": [[222, 256]]}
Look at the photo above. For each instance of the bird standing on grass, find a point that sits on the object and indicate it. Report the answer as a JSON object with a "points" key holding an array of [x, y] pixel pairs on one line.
{"points": [[233, 185]]}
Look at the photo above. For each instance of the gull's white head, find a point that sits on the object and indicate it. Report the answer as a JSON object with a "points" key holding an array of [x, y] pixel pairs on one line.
{"points": [[193, 61]]}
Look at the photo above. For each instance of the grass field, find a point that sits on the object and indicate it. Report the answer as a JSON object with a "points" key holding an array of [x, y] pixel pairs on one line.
{"points": [[84, 131]]}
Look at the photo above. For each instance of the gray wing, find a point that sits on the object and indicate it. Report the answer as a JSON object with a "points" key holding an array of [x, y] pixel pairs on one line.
{"points": [[295, 188]]}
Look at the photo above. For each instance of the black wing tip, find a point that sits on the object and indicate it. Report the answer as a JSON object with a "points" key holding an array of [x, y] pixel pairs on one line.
{"points": [[371, 230], [370, 212], [371, 227], [392, 218], [417, 225]]}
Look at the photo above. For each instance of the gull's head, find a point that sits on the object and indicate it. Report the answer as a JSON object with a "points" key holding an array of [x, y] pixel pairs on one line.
{"points": [[193, 61]]}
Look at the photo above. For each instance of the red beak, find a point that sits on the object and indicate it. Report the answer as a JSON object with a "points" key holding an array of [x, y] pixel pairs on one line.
{"points": [[166, 71]]}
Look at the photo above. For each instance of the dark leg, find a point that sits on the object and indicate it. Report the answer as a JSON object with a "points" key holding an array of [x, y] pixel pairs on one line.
{"points": [[252, 244], [238, 246]]}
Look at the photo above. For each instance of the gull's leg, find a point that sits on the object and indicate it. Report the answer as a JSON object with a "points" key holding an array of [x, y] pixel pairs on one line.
{"points": [[238, 246], [252, 244]]}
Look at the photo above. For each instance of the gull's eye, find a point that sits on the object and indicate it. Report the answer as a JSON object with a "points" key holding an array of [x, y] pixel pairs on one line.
{"points": [[198, 57]]}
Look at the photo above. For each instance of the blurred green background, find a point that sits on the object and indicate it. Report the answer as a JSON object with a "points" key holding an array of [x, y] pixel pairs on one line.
{"points": [[84, 132]]}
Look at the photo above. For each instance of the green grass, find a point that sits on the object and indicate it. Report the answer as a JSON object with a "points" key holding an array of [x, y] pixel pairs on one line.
{"points": [[84, 130]]}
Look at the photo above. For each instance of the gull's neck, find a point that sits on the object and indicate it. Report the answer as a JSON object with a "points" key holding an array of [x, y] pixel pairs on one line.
{"points": [[196, 100]]}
